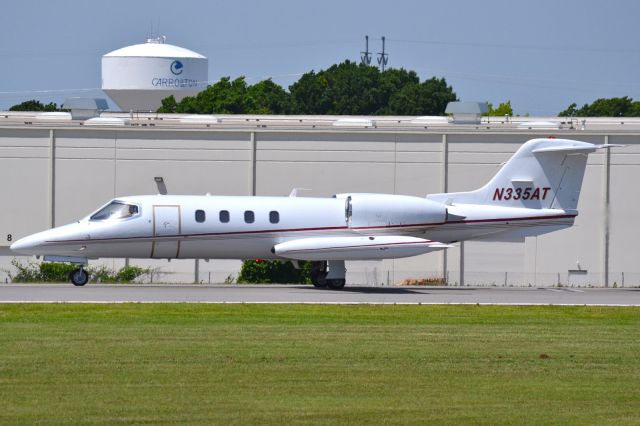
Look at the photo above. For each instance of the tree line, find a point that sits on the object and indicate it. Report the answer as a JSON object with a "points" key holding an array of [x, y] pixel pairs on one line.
{"points": [[346, 88], [611, 107], [35, 105], [343, 89]]}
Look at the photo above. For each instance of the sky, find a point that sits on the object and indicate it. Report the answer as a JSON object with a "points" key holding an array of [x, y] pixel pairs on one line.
{"points": [[542, 55]]}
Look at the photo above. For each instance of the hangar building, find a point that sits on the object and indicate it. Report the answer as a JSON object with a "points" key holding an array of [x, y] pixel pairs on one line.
{"points": [[55, 169]]}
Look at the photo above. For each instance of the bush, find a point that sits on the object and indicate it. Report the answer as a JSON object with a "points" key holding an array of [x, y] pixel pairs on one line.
{"points": [[128, 274], [124, 275], [40, 272], [53, 272], [434, 281], [274, 272]]}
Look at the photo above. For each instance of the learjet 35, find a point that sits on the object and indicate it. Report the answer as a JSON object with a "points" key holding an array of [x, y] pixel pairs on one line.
{"points": [[533, 193]]}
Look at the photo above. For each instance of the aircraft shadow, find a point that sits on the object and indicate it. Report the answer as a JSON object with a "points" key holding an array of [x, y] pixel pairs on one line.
{"points": [[396, 290]]}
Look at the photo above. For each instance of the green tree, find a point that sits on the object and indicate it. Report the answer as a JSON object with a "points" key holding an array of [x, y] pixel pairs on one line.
{"points": [[634, 111], [169, 105], [605, 107], [233, 97], [267, 97], [223, 97], [342, 89], [356, 89], [427, 98], [35, 105], [571, 111], [503, 109]]}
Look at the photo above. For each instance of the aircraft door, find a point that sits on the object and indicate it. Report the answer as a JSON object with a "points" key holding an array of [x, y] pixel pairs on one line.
{"points": [[166, 222]]}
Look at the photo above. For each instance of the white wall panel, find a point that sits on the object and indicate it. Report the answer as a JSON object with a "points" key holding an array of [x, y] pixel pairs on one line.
{"points": [[94, 165]]}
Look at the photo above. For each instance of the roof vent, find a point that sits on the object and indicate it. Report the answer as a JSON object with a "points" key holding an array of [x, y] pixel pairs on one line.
{"points": [[106, 121], [353, 122], [467, 112], [430, 120], [200, 119], [544, 125], [85, 108], [61, 116]]}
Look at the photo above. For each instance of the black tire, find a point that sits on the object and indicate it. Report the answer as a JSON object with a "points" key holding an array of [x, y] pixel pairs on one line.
{"points": [[320, 283], [319, 274], [336, 284], [79, 277]]}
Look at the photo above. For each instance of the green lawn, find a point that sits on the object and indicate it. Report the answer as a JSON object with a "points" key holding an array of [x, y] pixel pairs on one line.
{"points": [[277, 364]]}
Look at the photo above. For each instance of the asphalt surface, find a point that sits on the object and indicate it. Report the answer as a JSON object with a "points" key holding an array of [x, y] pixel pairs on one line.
{"points": [[147, 293]]}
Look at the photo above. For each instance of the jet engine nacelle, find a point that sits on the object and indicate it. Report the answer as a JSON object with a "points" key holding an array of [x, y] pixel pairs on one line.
{"points": [[372, 210]]}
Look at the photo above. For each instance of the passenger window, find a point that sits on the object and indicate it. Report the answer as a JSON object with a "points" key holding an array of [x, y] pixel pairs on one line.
{"points": [[200, 216], [249, 217], [274, 216], [224, 216]]}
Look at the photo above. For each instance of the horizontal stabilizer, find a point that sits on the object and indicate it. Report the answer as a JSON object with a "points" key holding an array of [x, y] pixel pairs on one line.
{"points": [[356, 248], [585, 149]]}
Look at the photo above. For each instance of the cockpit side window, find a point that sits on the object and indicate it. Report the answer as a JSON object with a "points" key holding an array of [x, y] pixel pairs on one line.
{"points": [[115, 210]]}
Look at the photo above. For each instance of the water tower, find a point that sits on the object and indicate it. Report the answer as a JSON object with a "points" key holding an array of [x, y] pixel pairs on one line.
{"points": [[138, 77]]}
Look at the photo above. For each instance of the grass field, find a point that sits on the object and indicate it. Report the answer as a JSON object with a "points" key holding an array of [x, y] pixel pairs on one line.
{"points": [[278, 364]]}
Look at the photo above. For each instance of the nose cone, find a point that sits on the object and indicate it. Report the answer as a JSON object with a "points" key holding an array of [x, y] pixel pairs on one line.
{"points": [[57, 241], [27, 245]]}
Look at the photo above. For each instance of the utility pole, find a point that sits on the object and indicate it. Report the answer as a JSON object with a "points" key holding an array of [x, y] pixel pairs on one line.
{"points": [[383, 57], [365, 57]]}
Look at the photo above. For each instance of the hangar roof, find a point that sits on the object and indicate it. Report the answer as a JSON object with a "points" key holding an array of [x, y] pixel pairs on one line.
{"points": [[332, 123]]}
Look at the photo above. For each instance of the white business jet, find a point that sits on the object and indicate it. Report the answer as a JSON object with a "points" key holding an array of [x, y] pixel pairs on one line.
{"points": [[535, 192]]}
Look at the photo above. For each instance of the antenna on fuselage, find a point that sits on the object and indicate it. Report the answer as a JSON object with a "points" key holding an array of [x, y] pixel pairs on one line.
{"points": [[294, 191], [162, 188]]}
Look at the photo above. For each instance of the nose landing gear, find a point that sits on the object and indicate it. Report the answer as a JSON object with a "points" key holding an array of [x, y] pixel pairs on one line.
{"points": [[79, 277]]}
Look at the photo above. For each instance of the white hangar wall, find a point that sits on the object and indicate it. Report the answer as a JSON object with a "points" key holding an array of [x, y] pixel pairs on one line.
{"points": [[55, 175]]}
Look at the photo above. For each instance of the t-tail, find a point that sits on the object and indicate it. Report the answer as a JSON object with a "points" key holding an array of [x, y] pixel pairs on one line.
{"points": [[542, 174]]}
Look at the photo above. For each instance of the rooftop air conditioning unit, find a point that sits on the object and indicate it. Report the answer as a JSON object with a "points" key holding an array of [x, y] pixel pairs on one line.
{"points": [[467, 112], [85, 108]]}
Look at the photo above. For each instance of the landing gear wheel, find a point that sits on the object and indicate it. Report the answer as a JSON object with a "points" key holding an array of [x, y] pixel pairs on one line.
{"points": [[336, 284], [79, 277], [320, 283], [319, 274]]}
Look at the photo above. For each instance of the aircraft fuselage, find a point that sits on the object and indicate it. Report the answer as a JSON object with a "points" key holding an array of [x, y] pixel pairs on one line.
{"points": [[223, 227]]}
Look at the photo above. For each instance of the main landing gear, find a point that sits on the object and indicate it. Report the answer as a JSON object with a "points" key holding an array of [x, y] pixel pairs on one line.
{"points": [[333, 278], [79, 277]]}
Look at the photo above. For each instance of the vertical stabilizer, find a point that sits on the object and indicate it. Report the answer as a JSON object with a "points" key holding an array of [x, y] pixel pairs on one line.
{"points": [[542, 174]]}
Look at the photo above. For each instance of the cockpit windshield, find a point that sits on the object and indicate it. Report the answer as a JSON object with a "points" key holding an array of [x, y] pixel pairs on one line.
{"points": [[115, 210]]}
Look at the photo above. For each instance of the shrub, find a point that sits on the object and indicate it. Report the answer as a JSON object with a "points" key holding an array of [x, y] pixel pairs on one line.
{"points": [[54, 272], [128, 274], [273, 271], [425, 281], [124, 275], [40, 272]]}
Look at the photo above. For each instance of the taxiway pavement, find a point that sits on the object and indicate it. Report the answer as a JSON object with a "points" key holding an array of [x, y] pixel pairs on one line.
{"points": [[147, 293]]}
